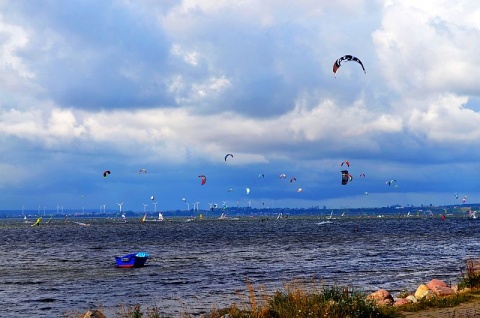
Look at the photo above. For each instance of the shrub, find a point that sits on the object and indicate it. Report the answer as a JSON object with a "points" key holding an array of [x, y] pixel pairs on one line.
{"points": [[470, 275]]}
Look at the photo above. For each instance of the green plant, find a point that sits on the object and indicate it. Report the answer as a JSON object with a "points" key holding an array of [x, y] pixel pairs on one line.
{"points": [[298, 301], [470, 275]]}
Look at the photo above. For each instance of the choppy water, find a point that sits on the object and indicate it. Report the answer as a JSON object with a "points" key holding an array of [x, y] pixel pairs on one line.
{"points": [[60, 267]]}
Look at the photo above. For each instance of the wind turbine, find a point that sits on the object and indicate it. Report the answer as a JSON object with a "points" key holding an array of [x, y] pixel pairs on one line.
{"points": [[196, 203], [155, 204], [249, 203], [120, 205], [144, 207]]}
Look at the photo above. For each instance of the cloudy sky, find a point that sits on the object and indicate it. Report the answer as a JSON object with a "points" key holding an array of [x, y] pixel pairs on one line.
{"points": [[173, 86]]}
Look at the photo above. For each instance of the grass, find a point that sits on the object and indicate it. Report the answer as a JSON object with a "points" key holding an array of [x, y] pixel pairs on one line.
{"points": [[309, 299], [470, 275], [300, 300]]}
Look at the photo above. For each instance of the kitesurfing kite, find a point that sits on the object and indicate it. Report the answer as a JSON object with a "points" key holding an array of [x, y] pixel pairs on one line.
{"points": [[247, 190], [293, 179], [362, 175], [152, 198], [228, 154], [346, 177], [283, 176], [346, 162], [346, 58], [390, 182], [299, 190], [142, 170], [105, 173], [204, 179], [261, 175]]}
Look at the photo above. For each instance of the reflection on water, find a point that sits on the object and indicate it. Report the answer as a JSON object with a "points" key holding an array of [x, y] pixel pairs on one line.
{"points": [[62, 267]]}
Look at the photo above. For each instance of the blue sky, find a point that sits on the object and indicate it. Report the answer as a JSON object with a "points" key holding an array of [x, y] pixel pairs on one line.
{"points": [[173, 86]]}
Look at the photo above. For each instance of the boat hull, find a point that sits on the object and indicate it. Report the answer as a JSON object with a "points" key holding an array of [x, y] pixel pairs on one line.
{"points": [[132, 260]]}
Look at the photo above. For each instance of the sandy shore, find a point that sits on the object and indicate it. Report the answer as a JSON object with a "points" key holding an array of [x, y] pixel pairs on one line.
{"points": [[468, 309]]}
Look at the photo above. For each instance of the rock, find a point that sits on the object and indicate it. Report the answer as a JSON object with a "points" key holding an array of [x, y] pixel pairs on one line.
{"points": [[443, 291], [429, 294], [421, 291], [93, 314], [401, 302], [381, 297], [412, 298], [436, 282]]}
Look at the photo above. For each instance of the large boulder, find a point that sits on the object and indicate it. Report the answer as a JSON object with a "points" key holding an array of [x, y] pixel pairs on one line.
{"points": [[93, 314], [436, 283], [381, 297], [443, 291], [412, 298], [421, 291], [401, 302]]}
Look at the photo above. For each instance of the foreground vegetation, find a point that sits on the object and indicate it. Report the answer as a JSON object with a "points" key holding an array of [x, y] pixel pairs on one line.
{"points": [[300, 299]]}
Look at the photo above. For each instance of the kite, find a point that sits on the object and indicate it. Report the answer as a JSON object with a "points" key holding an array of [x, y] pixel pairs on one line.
{"points": [[346, 58], [204, 179], [142, 170], [228, 154], [105, 173], [346, 177], [293, 179], [247, 190], [390, 182], [346, 162], [283, 176]]}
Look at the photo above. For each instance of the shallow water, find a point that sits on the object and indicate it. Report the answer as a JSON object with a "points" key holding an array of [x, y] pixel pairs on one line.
{"points": [[60, 267]]}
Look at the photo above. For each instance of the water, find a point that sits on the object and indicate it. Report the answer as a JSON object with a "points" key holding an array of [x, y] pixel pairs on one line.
{"points": [[59, 268]]}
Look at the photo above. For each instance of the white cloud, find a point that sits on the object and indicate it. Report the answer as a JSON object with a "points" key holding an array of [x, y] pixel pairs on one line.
{"points": [[13, 38], [427, 46], [446, 120]]}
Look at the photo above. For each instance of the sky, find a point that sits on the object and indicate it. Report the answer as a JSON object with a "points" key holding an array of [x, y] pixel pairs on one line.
{"points": [[173, 86]]}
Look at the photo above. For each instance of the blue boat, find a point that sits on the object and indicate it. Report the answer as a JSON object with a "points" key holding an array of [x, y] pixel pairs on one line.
{"points": [[132, 260]]}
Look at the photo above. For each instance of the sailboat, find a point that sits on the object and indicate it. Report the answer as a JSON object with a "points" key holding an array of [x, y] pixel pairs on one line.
{"points": [[37, 223], [223, 216], [143, 218], [331, 216], [160, 216]]}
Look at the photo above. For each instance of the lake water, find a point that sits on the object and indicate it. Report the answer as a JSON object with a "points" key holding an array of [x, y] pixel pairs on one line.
{"points": [[59, 268]]}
